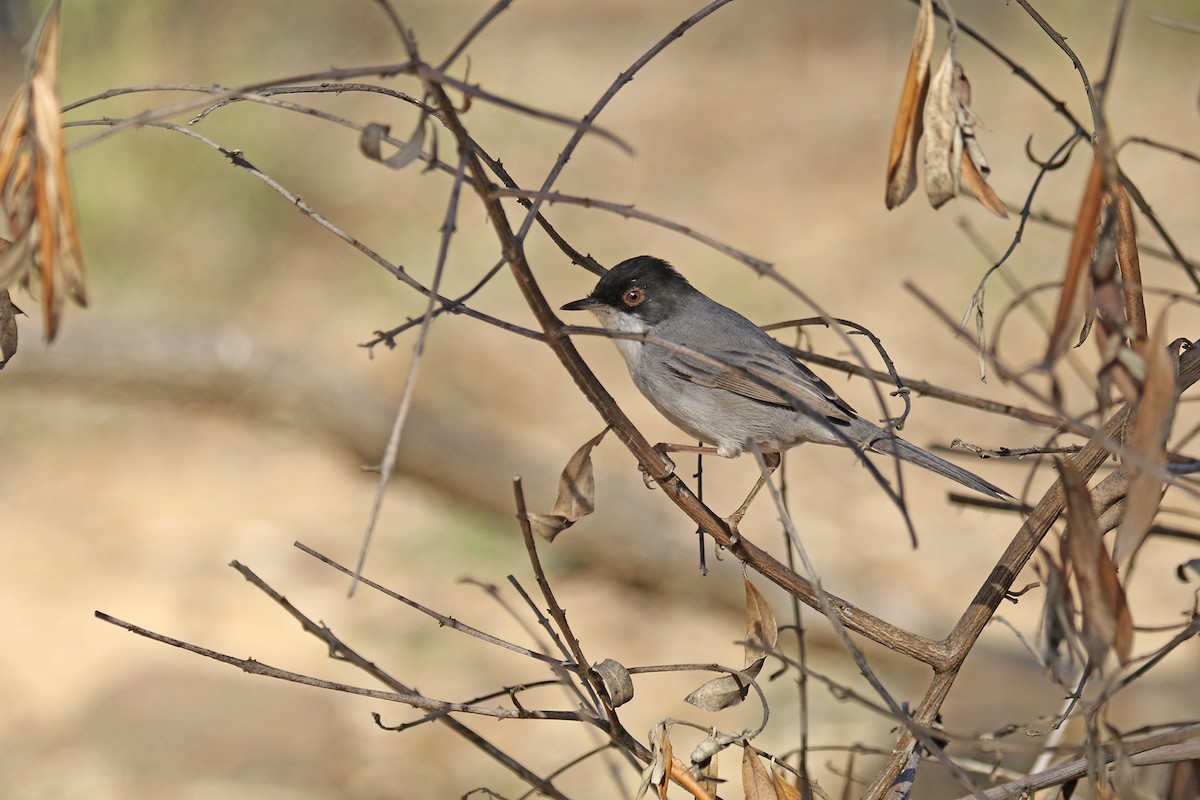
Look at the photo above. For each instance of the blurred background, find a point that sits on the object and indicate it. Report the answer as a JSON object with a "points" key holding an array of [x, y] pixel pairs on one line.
{"points": [[214, 402]]}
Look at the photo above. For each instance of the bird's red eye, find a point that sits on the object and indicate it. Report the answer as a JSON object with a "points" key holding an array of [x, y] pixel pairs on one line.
{"points": [[633, 297]]}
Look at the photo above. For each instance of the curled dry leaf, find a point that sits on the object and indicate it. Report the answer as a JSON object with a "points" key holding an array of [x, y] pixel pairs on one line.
{"points": [[371, 140], [1107, 623], [35, 190], [757, 782], [902, 155], [762, 631], [727, 690], [1148, 440], [943, 136], [1131, 269], [576, 494], [974, 170], [616, 681], [1077, 285], [659, 767], [668, 756], [1058, 640]]}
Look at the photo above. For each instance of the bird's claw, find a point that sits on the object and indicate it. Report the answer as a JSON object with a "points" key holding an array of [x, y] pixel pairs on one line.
{"points": [[649, 479]]}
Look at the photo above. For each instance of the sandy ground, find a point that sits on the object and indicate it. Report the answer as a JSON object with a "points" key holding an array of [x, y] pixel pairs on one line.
{"points": [[213, 403]]}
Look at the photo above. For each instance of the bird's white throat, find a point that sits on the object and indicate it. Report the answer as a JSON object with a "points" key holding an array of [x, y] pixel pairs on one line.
{"points": [[621, 322]]}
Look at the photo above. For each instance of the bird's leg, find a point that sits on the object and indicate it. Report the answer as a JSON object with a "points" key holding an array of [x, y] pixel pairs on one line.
{"points": [[772, 461], [662, 448]]}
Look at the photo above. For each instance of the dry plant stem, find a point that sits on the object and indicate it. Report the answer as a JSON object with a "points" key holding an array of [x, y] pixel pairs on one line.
{"points": [[953, 650], [441, 619], [630, 212], [1023, 787], [927, 389], [238, 160], [855, 652], [388, 465], [590, 117], [556, 611], [399, 694]]}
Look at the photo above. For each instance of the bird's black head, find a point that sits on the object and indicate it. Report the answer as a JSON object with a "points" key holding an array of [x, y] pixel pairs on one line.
{"points": [[644, 286]]}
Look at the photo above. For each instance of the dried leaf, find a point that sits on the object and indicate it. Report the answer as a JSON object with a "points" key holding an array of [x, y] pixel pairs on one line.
{"points": [[974, 170], [1120, 365], [371, 139], [756, 778], [616, 681], [1058, 620], [762, 631], [1148, 440], [943, 137], [1072, 303], [783, 789], [725, 691], [1107, 623], [1131, 269], [35, 189], [659, 767], [668, 755], [8, 317], [973, 181], [902, 155], [576, 494]]}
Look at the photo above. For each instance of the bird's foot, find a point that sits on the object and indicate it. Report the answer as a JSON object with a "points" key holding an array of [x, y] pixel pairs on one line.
{"points": [[649, 479]]}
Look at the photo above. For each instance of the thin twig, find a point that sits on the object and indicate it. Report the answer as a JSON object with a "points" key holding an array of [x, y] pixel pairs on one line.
{"points": [[388, 464], [855, 652]]}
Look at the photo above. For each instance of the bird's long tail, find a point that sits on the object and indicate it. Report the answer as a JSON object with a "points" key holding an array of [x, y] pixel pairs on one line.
{"points": [[886, 444]]}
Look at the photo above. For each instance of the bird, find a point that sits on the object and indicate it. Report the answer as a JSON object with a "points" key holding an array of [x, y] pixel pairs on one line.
{"points": [[726, 382]]}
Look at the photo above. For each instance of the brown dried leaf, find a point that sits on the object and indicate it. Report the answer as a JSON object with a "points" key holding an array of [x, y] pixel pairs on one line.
{"points": [[1131, 269], [725, 691], [943, 137], [576, 494], [668, 755], [616, 680], [1148, 440], [35, 189], [1076, 289], [710, 775], [1107, 623], [762, 631], [371, 140], [902, 155], [659, 767], [973, 181], [783, 789], [756, 778], [8, 327]]}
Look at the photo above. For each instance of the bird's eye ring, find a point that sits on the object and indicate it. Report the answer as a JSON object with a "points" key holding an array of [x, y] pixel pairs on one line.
{"points": [[633, 297]]}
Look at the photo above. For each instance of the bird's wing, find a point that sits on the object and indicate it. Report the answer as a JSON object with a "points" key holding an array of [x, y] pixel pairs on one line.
{"points": [[772, 378]]}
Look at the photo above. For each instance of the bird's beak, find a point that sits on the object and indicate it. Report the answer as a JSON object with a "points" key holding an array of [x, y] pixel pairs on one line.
{"points": [[585, 304]]}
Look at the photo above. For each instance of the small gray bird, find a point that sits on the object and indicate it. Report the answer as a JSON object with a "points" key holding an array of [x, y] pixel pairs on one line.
{"points": [[748, 389]]}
